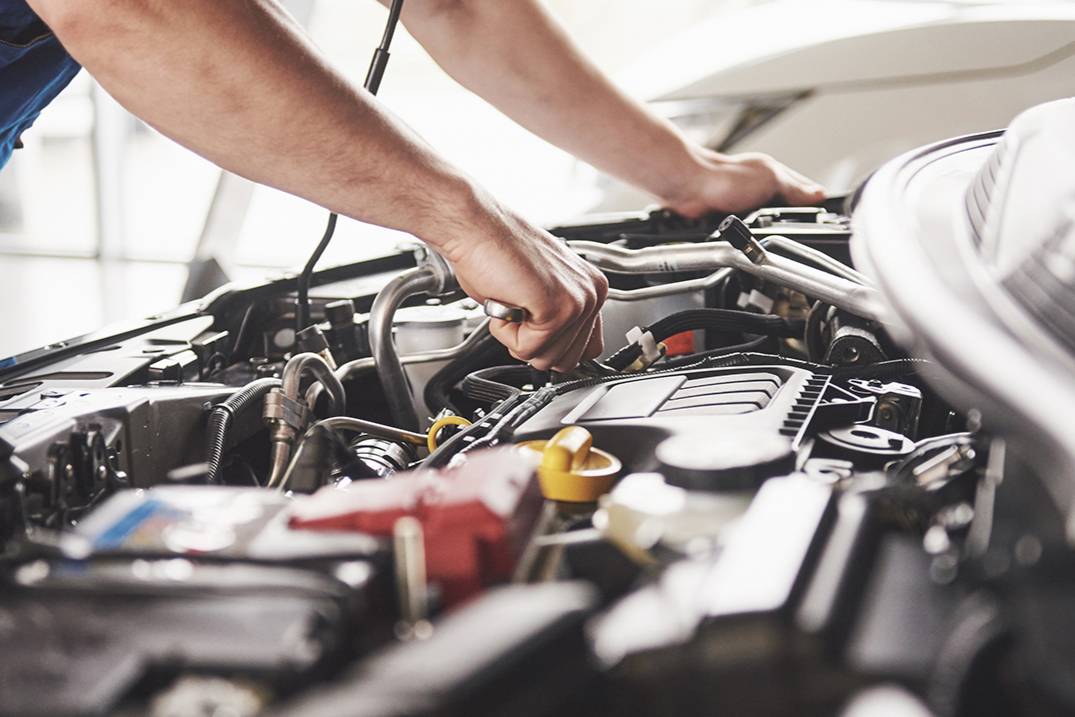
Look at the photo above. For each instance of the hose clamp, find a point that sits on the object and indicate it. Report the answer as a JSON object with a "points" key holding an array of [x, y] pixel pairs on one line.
{"points": [[281, 408]]}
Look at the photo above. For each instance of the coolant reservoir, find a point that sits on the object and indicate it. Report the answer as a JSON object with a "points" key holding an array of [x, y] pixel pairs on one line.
{"points": [[428, 328]]}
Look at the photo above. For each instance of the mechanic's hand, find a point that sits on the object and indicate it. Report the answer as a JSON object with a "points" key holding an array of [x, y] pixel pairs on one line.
{"points": [[508, 259], [740, 182]]}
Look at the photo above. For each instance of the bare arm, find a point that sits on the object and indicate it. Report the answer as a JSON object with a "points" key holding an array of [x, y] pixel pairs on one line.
{"points": [[239, 83], [515, 56]]}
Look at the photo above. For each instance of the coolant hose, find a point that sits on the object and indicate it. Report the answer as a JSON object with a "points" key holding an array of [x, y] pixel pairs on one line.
{"points": [[490, 385], [485, 351], [397, 392], [220, 418]]}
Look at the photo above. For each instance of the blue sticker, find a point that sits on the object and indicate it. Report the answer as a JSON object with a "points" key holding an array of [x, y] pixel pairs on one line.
{"points": [[115, 535]]}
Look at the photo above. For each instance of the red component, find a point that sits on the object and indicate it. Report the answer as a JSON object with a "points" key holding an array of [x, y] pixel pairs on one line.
{"points": [[476, 517], [680, 344]]}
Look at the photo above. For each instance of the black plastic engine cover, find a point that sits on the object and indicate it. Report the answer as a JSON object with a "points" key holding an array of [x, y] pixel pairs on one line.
{"points": [[630, 417]]}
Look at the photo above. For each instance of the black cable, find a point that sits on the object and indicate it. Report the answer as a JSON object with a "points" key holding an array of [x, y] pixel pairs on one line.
{"points": [[445, 451], [241, 333], [812, 336], [724, 320], [372, 84], [303, 316], [756, 344]]}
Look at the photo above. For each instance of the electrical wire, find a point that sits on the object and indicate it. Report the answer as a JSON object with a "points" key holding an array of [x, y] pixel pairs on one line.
{"points": [[722, 320], [303, 317], [372, 84]]}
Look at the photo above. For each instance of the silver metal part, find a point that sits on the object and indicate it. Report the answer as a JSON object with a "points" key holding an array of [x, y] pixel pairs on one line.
{"points": [[286, 414], [820, 259], [358, 425], [279, 479], [852, 296], [410, 558], [505, 312], [671, 289], [303, 363]]}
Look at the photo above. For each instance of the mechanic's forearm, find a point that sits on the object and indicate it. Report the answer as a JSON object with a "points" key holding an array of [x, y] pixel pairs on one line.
{"points": [[237, 82], [518, 58]]}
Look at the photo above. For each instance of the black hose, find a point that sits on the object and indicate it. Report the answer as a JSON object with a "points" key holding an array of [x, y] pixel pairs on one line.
{"points": [[487, 352], [220, 420], [495, 384], [755, 344], [895, 368], [725, 320]]}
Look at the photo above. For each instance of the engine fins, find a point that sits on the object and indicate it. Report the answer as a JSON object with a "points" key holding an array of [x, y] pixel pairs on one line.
{"points": [[802, 409]]}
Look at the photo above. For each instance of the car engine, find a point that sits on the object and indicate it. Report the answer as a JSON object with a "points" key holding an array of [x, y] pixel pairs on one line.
{"points": [[782, 491]]}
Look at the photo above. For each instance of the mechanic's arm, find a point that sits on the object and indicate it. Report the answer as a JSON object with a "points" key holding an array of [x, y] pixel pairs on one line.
{"points": [[240, 84], [514, 55]]}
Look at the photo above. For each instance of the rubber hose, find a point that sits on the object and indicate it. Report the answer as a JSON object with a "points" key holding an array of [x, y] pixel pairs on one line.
{"points": [[488, 352], [490, 385], [220, 420]]}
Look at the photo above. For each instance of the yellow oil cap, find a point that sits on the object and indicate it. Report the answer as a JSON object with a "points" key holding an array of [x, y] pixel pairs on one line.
{"points": [[571, 469]]}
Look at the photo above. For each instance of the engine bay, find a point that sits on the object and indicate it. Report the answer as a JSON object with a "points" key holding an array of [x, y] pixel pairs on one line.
{"points": [[756, 502]]}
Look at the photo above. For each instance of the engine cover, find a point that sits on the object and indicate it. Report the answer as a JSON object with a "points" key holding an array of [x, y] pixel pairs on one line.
{"points": [[629, 418]]}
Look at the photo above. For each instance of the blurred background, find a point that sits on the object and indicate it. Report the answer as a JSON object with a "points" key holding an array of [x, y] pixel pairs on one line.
{"points": [[100, 216]]}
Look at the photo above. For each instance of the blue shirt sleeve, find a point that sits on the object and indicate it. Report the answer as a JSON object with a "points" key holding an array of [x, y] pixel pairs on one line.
{"points": [[34, 68]]}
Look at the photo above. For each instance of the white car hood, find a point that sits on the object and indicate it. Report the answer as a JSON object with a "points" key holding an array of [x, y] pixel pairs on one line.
{"points": [[790, 45]]}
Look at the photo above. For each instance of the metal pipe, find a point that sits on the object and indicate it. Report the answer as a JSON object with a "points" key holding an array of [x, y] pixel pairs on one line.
{"points": [[420, 280], [359, 425], [836, 290], [287, 416], [658, 259], [675, 287], [280, 477], [312, 363], [281, 451], [810, 254]]}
